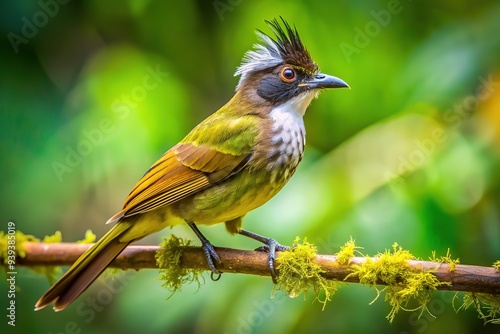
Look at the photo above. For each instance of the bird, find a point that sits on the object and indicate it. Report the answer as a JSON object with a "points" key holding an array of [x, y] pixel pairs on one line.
{"points": [[231, 163]]}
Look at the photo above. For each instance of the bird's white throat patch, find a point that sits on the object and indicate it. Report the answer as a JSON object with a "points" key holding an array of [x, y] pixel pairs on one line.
{"points": [[289, 132], [288, 117], [300, 103]]}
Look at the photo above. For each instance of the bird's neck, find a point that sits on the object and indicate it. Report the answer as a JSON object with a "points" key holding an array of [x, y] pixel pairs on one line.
{"points": [[287, 134], [282, 137], [288, 124], [299, 104]]}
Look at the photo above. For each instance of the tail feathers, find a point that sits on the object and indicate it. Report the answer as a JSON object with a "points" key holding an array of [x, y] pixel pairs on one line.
{"points": [[85, 271]]}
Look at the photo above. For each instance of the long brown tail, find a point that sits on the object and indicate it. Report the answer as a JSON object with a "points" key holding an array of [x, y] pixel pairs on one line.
{"points": [[85, 270]]}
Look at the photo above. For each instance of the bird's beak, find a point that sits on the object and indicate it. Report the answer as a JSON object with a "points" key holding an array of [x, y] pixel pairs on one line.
{"points": [[320, 80]]}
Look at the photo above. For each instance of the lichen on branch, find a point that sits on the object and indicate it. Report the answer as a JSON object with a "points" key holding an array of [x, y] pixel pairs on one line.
{"points": [[408, 282], [168, 259], [298, 273], [405, 284]]}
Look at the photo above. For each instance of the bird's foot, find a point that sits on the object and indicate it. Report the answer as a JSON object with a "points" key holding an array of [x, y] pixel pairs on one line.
{"points": [[270, 246], [211, 256], [209, 250]]}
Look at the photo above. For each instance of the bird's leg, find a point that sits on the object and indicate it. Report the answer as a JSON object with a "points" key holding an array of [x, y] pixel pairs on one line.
{"points": [[270, 246], [208, 249]]}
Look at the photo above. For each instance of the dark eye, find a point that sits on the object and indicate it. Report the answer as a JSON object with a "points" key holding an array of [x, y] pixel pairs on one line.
{"points": [[288, 74]]}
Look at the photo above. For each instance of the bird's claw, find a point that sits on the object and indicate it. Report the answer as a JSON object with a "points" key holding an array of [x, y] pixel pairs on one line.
{"points": [[271, 247], [209, 250], [211, 256]]}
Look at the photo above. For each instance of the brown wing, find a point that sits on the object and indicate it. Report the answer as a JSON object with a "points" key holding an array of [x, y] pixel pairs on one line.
{"points": [[215, 164], [180, 172]]}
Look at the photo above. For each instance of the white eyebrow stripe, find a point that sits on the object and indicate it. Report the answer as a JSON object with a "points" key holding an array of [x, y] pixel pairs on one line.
{"points": [[265, 55]]}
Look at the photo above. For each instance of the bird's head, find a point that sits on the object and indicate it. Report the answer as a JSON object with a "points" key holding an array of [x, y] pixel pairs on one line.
{"points": [[280, 70]]}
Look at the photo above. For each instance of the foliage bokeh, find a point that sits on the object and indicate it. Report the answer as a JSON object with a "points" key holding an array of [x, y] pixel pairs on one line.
{"points": [[410, 154]]}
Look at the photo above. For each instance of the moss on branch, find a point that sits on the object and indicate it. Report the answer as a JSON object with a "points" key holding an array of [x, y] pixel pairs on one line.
{"points": [[406, 281]]}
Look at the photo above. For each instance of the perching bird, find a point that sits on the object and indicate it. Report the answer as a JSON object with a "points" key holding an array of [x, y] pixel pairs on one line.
{"points": [[231, 163]]}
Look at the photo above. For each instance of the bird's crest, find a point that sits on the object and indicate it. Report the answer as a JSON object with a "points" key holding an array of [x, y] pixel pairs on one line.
{"points": [[286, 48]]}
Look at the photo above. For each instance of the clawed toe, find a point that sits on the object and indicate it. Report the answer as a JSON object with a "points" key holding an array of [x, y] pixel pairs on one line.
{"points": [[270, 246], [209, 250], [211, 256]]}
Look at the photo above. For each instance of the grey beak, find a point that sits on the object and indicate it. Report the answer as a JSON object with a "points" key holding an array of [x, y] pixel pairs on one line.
{"points": [[321, 80]]}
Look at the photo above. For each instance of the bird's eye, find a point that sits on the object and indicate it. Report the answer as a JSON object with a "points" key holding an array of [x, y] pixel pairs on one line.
{"points": [[288, 74]]}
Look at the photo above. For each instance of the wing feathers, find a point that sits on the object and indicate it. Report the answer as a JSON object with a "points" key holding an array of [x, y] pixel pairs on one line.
{"points": [[179, 173], [152, 175], [206, 159]]}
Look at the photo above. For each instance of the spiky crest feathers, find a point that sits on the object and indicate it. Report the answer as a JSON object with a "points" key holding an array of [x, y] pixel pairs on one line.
{"points": [[287, 48]]}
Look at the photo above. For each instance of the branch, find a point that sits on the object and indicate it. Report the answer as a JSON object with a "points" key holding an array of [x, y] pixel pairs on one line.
{"points": [[463, 278]]}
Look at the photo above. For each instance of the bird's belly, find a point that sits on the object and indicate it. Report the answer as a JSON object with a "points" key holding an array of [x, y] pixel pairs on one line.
{"points": [[265, 175], [231, 199]]}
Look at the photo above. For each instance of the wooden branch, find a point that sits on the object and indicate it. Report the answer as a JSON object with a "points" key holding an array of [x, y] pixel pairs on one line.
{"points": [[463, 278]]}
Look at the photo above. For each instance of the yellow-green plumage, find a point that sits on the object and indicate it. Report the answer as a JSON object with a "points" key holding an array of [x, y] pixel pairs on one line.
{"points": [[206, 180], [231, 163]]}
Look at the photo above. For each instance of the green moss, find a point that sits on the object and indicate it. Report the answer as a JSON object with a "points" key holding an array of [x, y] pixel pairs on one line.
{"points": [[486, 305], [88, 239], [347, 252], [389, 268], [168, 258], [299, 274], [496, 265], [53, 239], [445, 259], [50, 272], [405, 285], [19, 238]]}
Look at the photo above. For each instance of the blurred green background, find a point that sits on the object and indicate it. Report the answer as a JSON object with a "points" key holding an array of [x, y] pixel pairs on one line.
{"points": [[410, 155]]}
